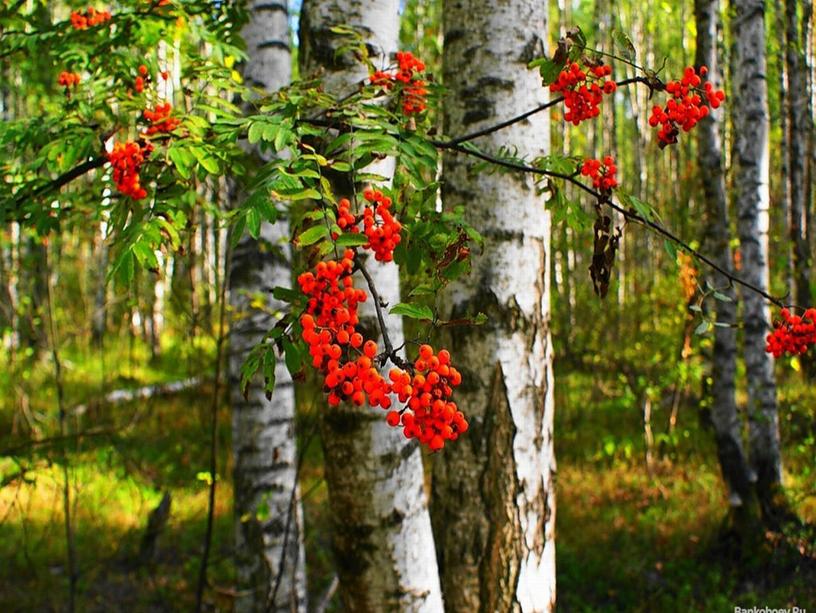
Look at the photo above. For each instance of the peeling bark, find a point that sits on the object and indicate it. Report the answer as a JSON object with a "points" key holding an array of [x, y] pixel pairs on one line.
{"points": [[724, 416], [381, 536], [796, 110], [750, 110], [268, 518], [493, 498]]}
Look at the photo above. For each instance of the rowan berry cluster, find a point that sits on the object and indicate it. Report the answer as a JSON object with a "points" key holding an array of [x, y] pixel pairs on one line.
{"points": [[686, 106], [601, 173], [126, 160], [160, 120], [384, 233], [583, 90], [413, 88], [329, 329], [90, 18], [380, 227], [433, 418], [349, 363], [793, 334], [68, 79], [139, 82]]}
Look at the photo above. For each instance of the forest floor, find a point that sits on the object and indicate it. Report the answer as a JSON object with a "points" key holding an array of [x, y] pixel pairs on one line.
{"points": [[628, 538]]}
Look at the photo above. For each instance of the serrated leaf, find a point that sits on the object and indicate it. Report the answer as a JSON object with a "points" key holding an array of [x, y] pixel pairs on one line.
{"points": [[414, 311], [341, 166], [183, 160], [351, 240], [624, 45], [423, 290], [292, 356], [641, 208], [237, 231], [312, 235], [253, 223], [255, 133], [549, 71], [302, 194], [671, 249], [287, 294]]}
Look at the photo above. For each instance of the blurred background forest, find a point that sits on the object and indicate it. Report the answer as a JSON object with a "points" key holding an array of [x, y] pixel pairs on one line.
{"points": [[642, 508]]}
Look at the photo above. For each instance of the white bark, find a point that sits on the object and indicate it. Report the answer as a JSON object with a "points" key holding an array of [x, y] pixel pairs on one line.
{"points": [[382, 535], [268, 517], [796, 108], [493, 494], [751, 180], [727, 424]]}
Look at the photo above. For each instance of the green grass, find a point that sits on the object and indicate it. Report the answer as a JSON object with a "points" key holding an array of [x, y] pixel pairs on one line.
{"points": [[627, 539]]}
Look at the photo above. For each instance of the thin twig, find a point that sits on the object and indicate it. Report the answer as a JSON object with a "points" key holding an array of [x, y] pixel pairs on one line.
{"points": [[202, 571], [513, 120], [60, 181], [63, 422], [390, 352], [293, 502], [628, 215], [325, 600]]}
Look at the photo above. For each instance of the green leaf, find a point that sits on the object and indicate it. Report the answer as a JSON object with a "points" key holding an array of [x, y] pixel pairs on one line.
{"points": [[183, 160], [292, 356], [414, 311], [282, 138], [671, 249], [423, 290], [702, 328], [256, 132], [253, 223], [287, 294], [641, 208], [237, 231], [341, 166], [548, 69], [351, 240], [300, 194], [722, 297], [312, 235], [207, 161], [268, 364], [624, 44]]}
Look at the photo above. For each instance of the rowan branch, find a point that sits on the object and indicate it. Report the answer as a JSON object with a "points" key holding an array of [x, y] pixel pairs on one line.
{"points": [[59, 182], [628, 214], [390, 352], [513, 120]]}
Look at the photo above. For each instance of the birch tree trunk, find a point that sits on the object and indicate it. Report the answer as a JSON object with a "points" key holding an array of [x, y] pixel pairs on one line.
{"points": [[727, 423], [268, 518], [382, 538], [493, 504], [796, 109], [750, 110]]}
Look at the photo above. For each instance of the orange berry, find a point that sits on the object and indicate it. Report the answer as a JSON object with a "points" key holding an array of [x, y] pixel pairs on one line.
{"points": [[370, 349]]}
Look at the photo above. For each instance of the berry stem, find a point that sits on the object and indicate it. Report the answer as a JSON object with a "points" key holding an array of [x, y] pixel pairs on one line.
{"points": [[390, 352]]}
